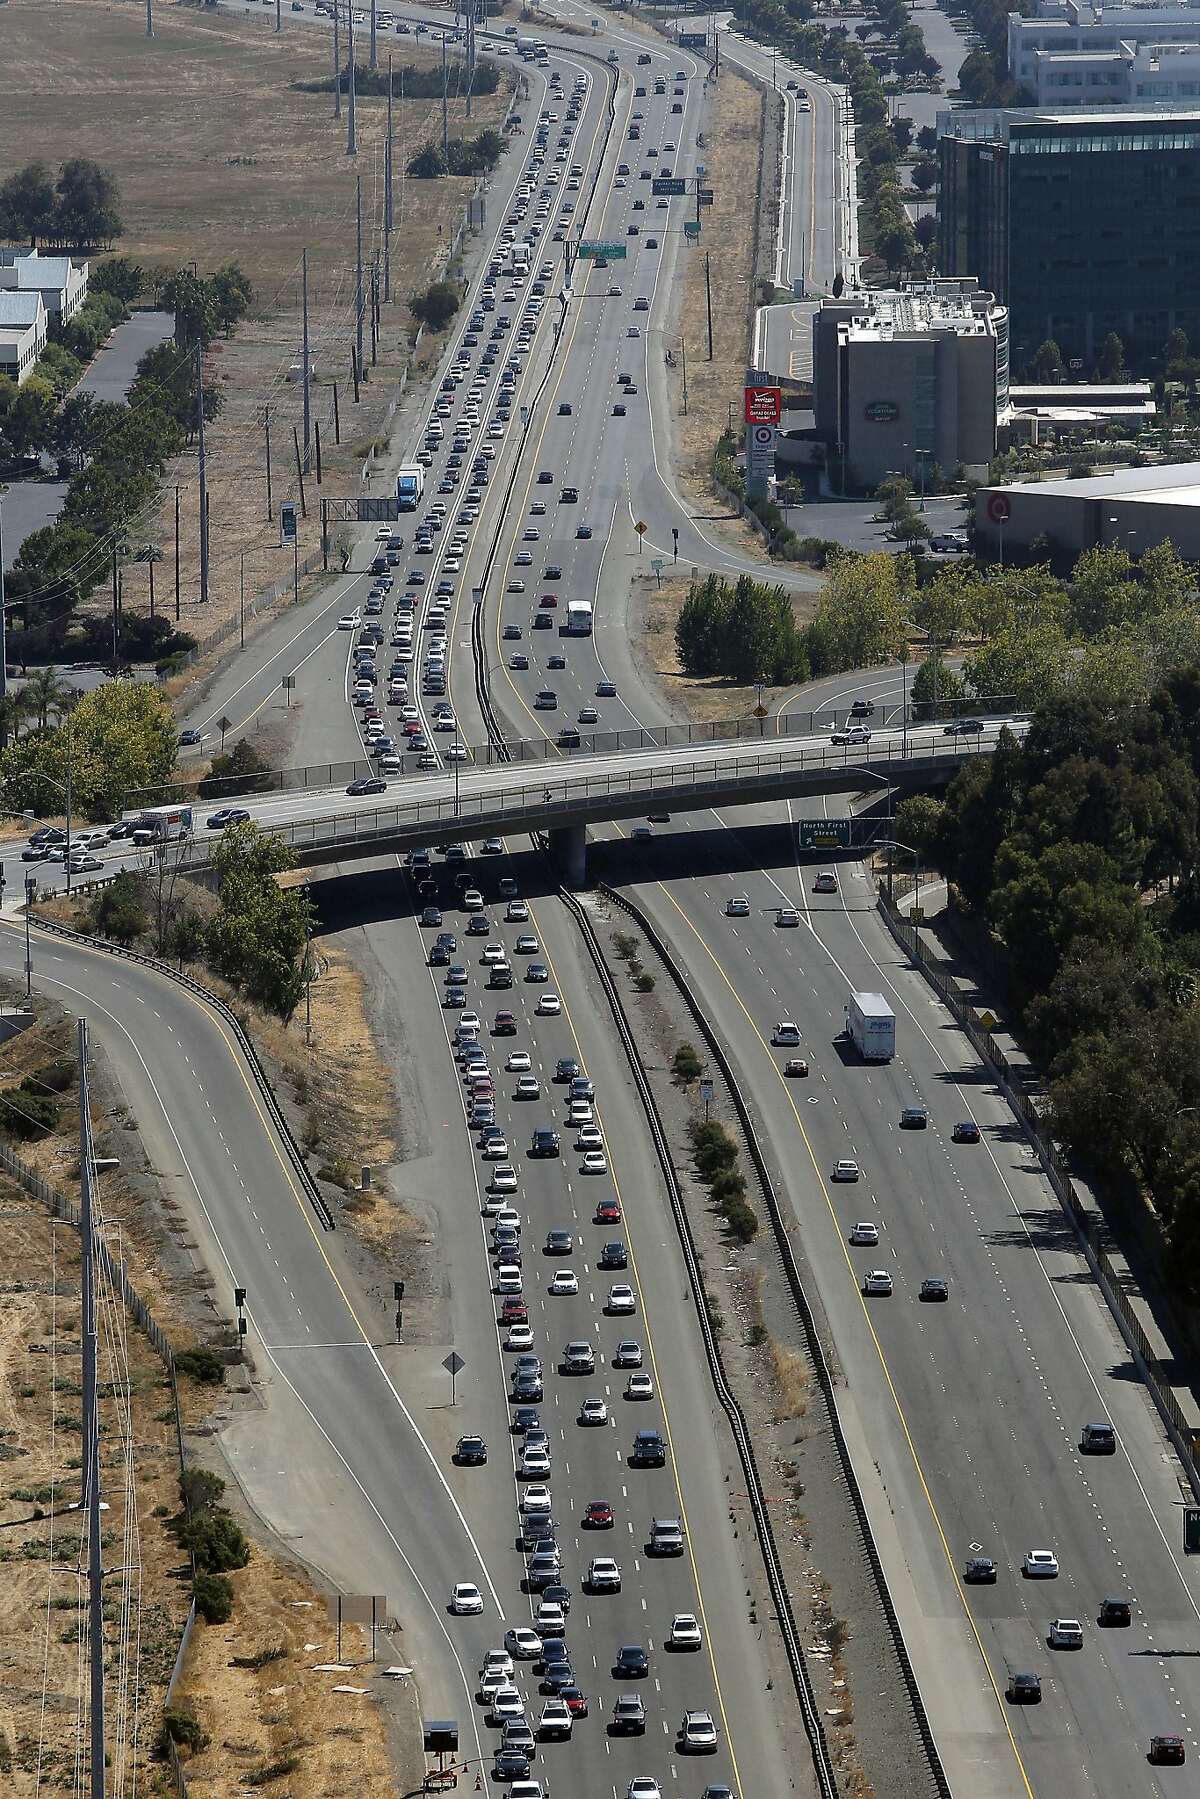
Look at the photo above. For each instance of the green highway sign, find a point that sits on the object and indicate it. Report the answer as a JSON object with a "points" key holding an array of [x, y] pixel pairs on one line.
{"points": [[691, 228], [705, 196], [588, 252], [668, 184], [824, 833], [692, 40]]}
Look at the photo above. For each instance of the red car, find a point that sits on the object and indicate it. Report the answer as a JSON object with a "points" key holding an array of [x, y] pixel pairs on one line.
{"points": [[599, 1515], [608, 1212], [505, 1025], [514, 1311], [548, 600], [576, 1701]]}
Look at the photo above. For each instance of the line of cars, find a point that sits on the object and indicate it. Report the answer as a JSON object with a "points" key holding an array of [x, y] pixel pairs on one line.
{"points": [[498, 1069]]}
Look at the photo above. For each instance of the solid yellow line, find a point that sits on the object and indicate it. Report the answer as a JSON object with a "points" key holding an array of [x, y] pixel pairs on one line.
{"points": [[912, 1448]]}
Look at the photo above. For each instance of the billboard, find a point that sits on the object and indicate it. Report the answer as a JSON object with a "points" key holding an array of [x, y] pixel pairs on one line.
{"points": [[763, 405]]}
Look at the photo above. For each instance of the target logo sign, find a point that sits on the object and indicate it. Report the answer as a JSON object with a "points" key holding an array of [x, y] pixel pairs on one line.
{"points": [[764, 436], [999, 508]]}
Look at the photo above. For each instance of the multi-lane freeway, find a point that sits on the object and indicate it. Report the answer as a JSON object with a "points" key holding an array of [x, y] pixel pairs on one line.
{"points": [[964, 1411]]}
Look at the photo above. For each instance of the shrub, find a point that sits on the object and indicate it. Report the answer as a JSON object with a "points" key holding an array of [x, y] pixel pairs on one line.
{"points": [[741, 1220], [645, 983], [216, 1540], [728, 1188], [436, 306], [182, 1728], [25, 1115], [687, 1063], [202, 1364], [213, 1594], [200, 1489], [119, 910]]}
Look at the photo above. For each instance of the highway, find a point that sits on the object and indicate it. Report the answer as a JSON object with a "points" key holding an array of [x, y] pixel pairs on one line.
{"points": [[351, 1456], [965, 1416]]}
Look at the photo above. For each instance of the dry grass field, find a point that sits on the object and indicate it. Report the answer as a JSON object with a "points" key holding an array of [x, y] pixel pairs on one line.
{"points": [[219, 156]]}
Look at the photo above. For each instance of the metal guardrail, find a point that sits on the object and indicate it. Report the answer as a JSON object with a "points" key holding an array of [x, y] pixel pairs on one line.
{"points": [[1090, 1229], [228, 1016], [738, 1424], [808, 1324]]}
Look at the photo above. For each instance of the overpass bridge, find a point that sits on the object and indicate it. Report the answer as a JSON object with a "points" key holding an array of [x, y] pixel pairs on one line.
{"points": [[564, 796]]}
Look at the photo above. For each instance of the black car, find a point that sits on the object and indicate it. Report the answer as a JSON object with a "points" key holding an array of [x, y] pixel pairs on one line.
{"points": [[228, 815], [526, 1417], [914, 1118], [614, 1255], [863, 709], [934, 1292], [649, 1450], [367, 784], [980, 1571], [558, 1680], [1115, 1614], [566, 1069], [632, 1662], [544, 1143], [966, 1131], [510, 1764], [559, 1243], [557, 1594], [471, 1452], [963, 727], [554, 1655], [1024, 1689]]}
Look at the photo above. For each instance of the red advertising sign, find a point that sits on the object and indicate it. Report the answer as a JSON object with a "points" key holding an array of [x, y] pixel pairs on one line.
{"points": [[999, 508], [763, 405]]}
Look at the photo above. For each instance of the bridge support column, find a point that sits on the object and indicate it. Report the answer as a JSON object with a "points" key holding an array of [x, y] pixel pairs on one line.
{"points": [[568, 854]]}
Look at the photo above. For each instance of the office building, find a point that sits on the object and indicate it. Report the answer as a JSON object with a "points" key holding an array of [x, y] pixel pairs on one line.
{"points": [[23, 327], [62, 283], [1153, 73], [1080, 223], [1063, 27], [909, 379]]}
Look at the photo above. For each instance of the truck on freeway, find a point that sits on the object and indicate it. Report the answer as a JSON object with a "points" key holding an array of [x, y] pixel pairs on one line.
{"points": [[410, 485], [161, 824], [579, 618], [871, 1026]]}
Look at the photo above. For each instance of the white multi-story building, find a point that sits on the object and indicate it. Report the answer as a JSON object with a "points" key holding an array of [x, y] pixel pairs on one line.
{"points": [[63, 284], [1130, 75], [23, 327], [1071, 28]]}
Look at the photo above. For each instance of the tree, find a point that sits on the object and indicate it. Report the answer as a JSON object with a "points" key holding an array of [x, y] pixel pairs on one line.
{"points": [[233, 292], [86, 205], [258, 937], [925, 176], [119, 910], [860, 617], [123, 738], [436, 306], [1110, 364], [119, 276], [919, 822], [925, 230], [194, 303], [1024, 662], [1048, 363], [427, 164], [936, 690], [927, 140], [241, 771], [28, 425], [27, 203], [897, 244], [47, 693]]}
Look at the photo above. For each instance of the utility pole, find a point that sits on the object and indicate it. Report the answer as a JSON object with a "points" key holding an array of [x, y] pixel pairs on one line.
{"points": [[337, 63], [149, 18], [152, 585], [116, 615], [91, 1429], [470, 52], [337, 416], [279, 15], [203, 474], [359, 298], [387, 195], [351, 133], [317, 447], [374, 50], [374, 313], [177, 553], [683, 354], [307, 399], [3, 632], [299, 472], [242, 600], [267, 430], [708, 302], [445, 111]]}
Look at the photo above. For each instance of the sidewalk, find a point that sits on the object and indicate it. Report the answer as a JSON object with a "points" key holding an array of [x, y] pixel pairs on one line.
{"points": [[1121, 1239]]}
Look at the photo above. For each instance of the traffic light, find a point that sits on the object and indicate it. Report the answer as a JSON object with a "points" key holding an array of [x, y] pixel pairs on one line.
{"points": [[1191, 1529]]}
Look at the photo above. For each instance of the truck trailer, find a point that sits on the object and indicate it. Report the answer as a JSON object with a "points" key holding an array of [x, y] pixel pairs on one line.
{"points": [[871, 1026], [410, 485]]}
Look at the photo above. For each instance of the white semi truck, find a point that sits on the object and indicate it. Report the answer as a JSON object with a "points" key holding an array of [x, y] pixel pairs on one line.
{"points": [[410, 485], [871, 1026]]}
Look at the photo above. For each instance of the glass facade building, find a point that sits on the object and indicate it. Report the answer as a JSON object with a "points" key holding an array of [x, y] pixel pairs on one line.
{"points": [[1081, 224]]}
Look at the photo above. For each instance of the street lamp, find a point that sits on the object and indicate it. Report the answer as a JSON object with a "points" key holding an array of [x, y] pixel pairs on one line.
{"points": [[30, 893], [893, 843]]}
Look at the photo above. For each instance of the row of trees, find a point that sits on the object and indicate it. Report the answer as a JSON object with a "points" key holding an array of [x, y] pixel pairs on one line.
{"points": [[1079, 851], [462, 156], [746, 631], [79, 211], [122, 736], [257, 937], [410, 82], [206, 304]]}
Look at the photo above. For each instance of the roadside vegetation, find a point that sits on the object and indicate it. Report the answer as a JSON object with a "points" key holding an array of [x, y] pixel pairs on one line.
{"points": [[80, 210], [1080, 852], [113, 739], [410, 81]]}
